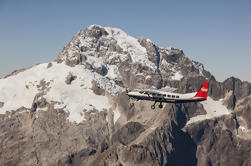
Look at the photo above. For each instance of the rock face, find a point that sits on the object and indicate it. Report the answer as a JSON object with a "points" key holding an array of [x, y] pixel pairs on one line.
{"points": [[74, 110], [1, 104], [220, 142], [70, 77]]}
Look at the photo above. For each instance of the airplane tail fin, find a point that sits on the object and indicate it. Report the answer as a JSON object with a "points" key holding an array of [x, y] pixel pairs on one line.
{"points": [[203, 91]]}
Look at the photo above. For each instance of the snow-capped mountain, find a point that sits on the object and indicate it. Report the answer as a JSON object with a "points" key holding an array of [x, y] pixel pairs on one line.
{"points": [[97, 56], [74, 110]]}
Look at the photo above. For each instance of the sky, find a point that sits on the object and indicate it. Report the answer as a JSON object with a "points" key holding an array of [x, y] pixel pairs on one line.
{"points": [[216, 33]]}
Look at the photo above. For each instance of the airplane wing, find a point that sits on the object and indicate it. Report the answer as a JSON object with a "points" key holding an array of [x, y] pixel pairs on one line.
{"points": [[167, 89]]}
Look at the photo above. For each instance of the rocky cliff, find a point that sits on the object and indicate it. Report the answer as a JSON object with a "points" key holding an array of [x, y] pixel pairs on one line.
{"points": [[74, 110]]}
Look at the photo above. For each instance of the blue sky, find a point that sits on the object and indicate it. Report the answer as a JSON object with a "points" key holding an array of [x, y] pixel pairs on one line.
{"points": [[216, 33]]}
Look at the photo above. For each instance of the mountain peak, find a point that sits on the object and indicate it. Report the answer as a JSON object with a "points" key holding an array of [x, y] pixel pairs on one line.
{"points": [[99, 62], [96, 45], [74, 111]]}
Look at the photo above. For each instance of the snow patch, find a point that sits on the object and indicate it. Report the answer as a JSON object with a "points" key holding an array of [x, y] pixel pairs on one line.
{"points": [[243, 129], [16, 92], [149, 40], [75, 98], [148, 77], [116, 115], [177, 76], [131, 45], [164, 62], [94, 61], [78, 97], [113, 72], [213, 109]]}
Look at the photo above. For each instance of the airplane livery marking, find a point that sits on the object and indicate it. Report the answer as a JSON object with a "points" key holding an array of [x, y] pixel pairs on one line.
{"points": [[203, 89]]}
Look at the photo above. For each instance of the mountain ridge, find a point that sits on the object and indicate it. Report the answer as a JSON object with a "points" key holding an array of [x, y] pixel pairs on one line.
{"points": [[74, 110]]}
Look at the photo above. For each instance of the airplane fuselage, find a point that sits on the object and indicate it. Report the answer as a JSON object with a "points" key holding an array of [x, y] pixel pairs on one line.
{"points": [[169, 97], [164, 97]]}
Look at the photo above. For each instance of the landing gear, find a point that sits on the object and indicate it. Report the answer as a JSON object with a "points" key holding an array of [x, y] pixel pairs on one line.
{"points": [[131, 99], [153, 106], [131, 102], [160, 105]]}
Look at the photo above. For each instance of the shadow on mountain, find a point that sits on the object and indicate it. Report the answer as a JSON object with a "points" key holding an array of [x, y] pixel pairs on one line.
{"points": [[184, 149]]}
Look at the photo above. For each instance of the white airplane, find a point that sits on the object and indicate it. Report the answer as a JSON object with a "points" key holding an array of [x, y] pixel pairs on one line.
{"points": [[163, 96]]}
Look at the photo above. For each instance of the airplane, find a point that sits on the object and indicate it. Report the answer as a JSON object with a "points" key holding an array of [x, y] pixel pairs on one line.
{"points": [[162, 96]]}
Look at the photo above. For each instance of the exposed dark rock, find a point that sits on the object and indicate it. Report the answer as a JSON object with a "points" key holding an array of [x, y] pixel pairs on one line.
{"points": [[1, 104], [184, 148], [80, 59], [34, 107], [50, 135], [39, 102], [97, 89], [128, 133], [101, 70], [138, 155], [175, 55], [49, 65], [218, 144], [244, 110], [43, 85], [70, 77], [70, 159], [95, 31], [230, 100], [240, 89], [152, 50], [194, 109], [216, 90]]}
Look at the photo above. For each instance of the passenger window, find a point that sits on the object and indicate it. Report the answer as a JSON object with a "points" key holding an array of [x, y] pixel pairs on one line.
{"points": [[168, 96], [173, 96], [177, 97]]}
